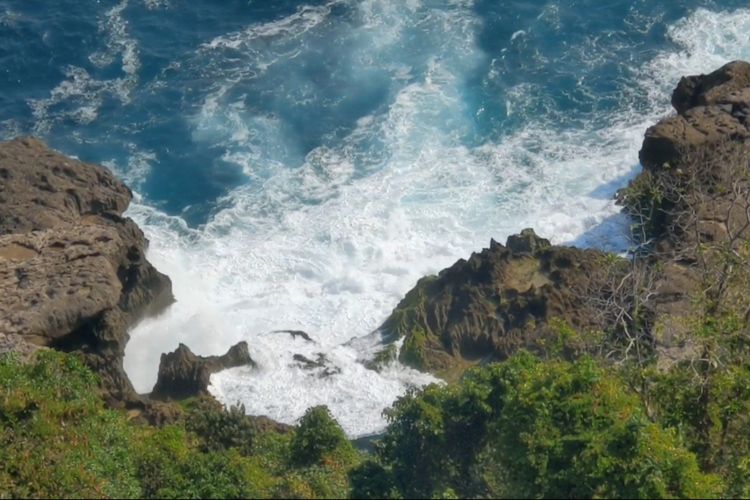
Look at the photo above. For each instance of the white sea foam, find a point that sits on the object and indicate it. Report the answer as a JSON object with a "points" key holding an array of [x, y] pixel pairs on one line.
{"points": [[294, 26], [330, 247], [115, 30], [156, 4], [80, 96], [137, 169]]}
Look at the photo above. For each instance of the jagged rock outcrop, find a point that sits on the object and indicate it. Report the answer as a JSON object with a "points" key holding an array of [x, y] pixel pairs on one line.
{"points": [[711, 108], [73, 271], [695, 164], [492, 304], [714, 88], [183, 374]]}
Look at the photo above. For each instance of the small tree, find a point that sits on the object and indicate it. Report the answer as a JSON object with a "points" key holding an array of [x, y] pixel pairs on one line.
{"points": [[318, 434]]}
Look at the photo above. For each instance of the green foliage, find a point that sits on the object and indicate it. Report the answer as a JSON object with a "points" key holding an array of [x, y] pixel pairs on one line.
{"points": [[567, 342], [412, 352], [317, 436], [644, 201], [522, 428], [169, 466], [371, 480], [713, 414], [526, 428], [574, 430], [56, 438], [220, 429]]}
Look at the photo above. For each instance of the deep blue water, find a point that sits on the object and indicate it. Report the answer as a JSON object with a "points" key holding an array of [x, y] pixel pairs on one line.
{"points": [[301, 164], [556, 52]]}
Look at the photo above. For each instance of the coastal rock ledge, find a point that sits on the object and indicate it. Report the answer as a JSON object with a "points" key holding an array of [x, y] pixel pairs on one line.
{"points": [[73, 271]]}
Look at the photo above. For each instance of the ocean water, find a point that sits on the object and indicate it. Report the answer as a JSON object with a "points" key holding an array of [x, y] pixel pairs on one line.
{"points": [[299, 165]]}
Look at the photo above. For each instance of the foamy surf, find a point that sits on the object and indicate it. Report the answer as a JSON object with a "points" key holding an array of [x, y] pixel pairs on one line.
{"points": [[335, 268], [354, 146]]}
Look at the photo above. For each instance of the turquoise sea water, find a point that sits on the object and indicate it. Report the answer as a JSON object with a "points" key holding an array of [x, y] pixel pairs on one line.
{"points": [[299, 165]]}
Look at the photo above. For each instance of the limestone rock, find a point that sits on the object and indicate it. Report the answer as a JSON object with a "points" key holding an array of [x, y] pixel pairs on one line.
{"points": [[73, 271]]}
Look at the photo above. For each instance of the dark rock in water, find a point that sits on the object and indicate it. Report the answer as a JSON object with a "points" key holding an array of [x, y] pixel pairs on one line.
{"points": [[182, 374], [73, 271], [321, 362], [308, 363], [295, 334], [490, 305]]}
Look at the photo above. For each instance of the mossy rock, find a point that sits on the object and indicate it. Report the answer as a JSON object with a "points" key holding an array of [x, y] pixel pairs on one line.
{"points": [[413, 351], [382, 358]]}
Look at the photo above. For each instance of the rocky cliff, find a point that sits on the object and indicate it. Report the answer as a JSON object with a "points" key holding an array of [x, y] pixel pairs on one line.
{"points": [[691, 212], [73, 271]]}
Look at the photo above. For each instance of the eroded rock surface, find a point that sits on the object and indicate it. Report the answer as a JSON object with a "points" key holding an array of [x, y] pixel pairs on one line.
{"points": [[183, 374], [694, 192], [711, 108], [73, 271], [488, 306]]}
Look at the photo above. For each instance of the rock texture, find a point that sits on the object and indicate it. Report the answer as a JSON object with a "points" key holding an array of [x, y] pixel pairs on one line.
{"points": [[73, 272], [18, 346], [488, 306], [182, 374], [697, 161], [711, 108], [694, 194]]}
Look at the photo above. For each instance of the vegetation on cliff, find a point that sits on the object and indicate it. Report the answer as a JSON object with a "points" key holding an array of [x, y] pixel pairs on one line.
{"points": [[600, 376], [57, 439], [524, 428]]}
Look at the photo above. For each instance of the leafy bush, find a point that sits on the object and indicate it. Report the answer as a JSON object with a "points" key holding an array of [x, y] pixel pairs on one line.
{"points": [[526, 428], [58, 440], [317, 436], [170, 467], [220, 429], [522, 428], [371, 480]]}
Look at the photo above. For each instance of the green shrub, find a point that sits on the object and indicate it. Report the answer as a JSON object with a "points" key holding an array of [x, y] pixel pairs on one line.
{"points": [[526, 428], [220, 429], [317, 436], [58, 440], [170, 466], [371, 480]]}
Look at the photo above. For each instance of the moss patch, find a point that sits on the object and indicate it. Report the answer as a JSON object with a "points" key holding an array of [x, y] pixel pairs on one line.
{"points": [[412, 352]]}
